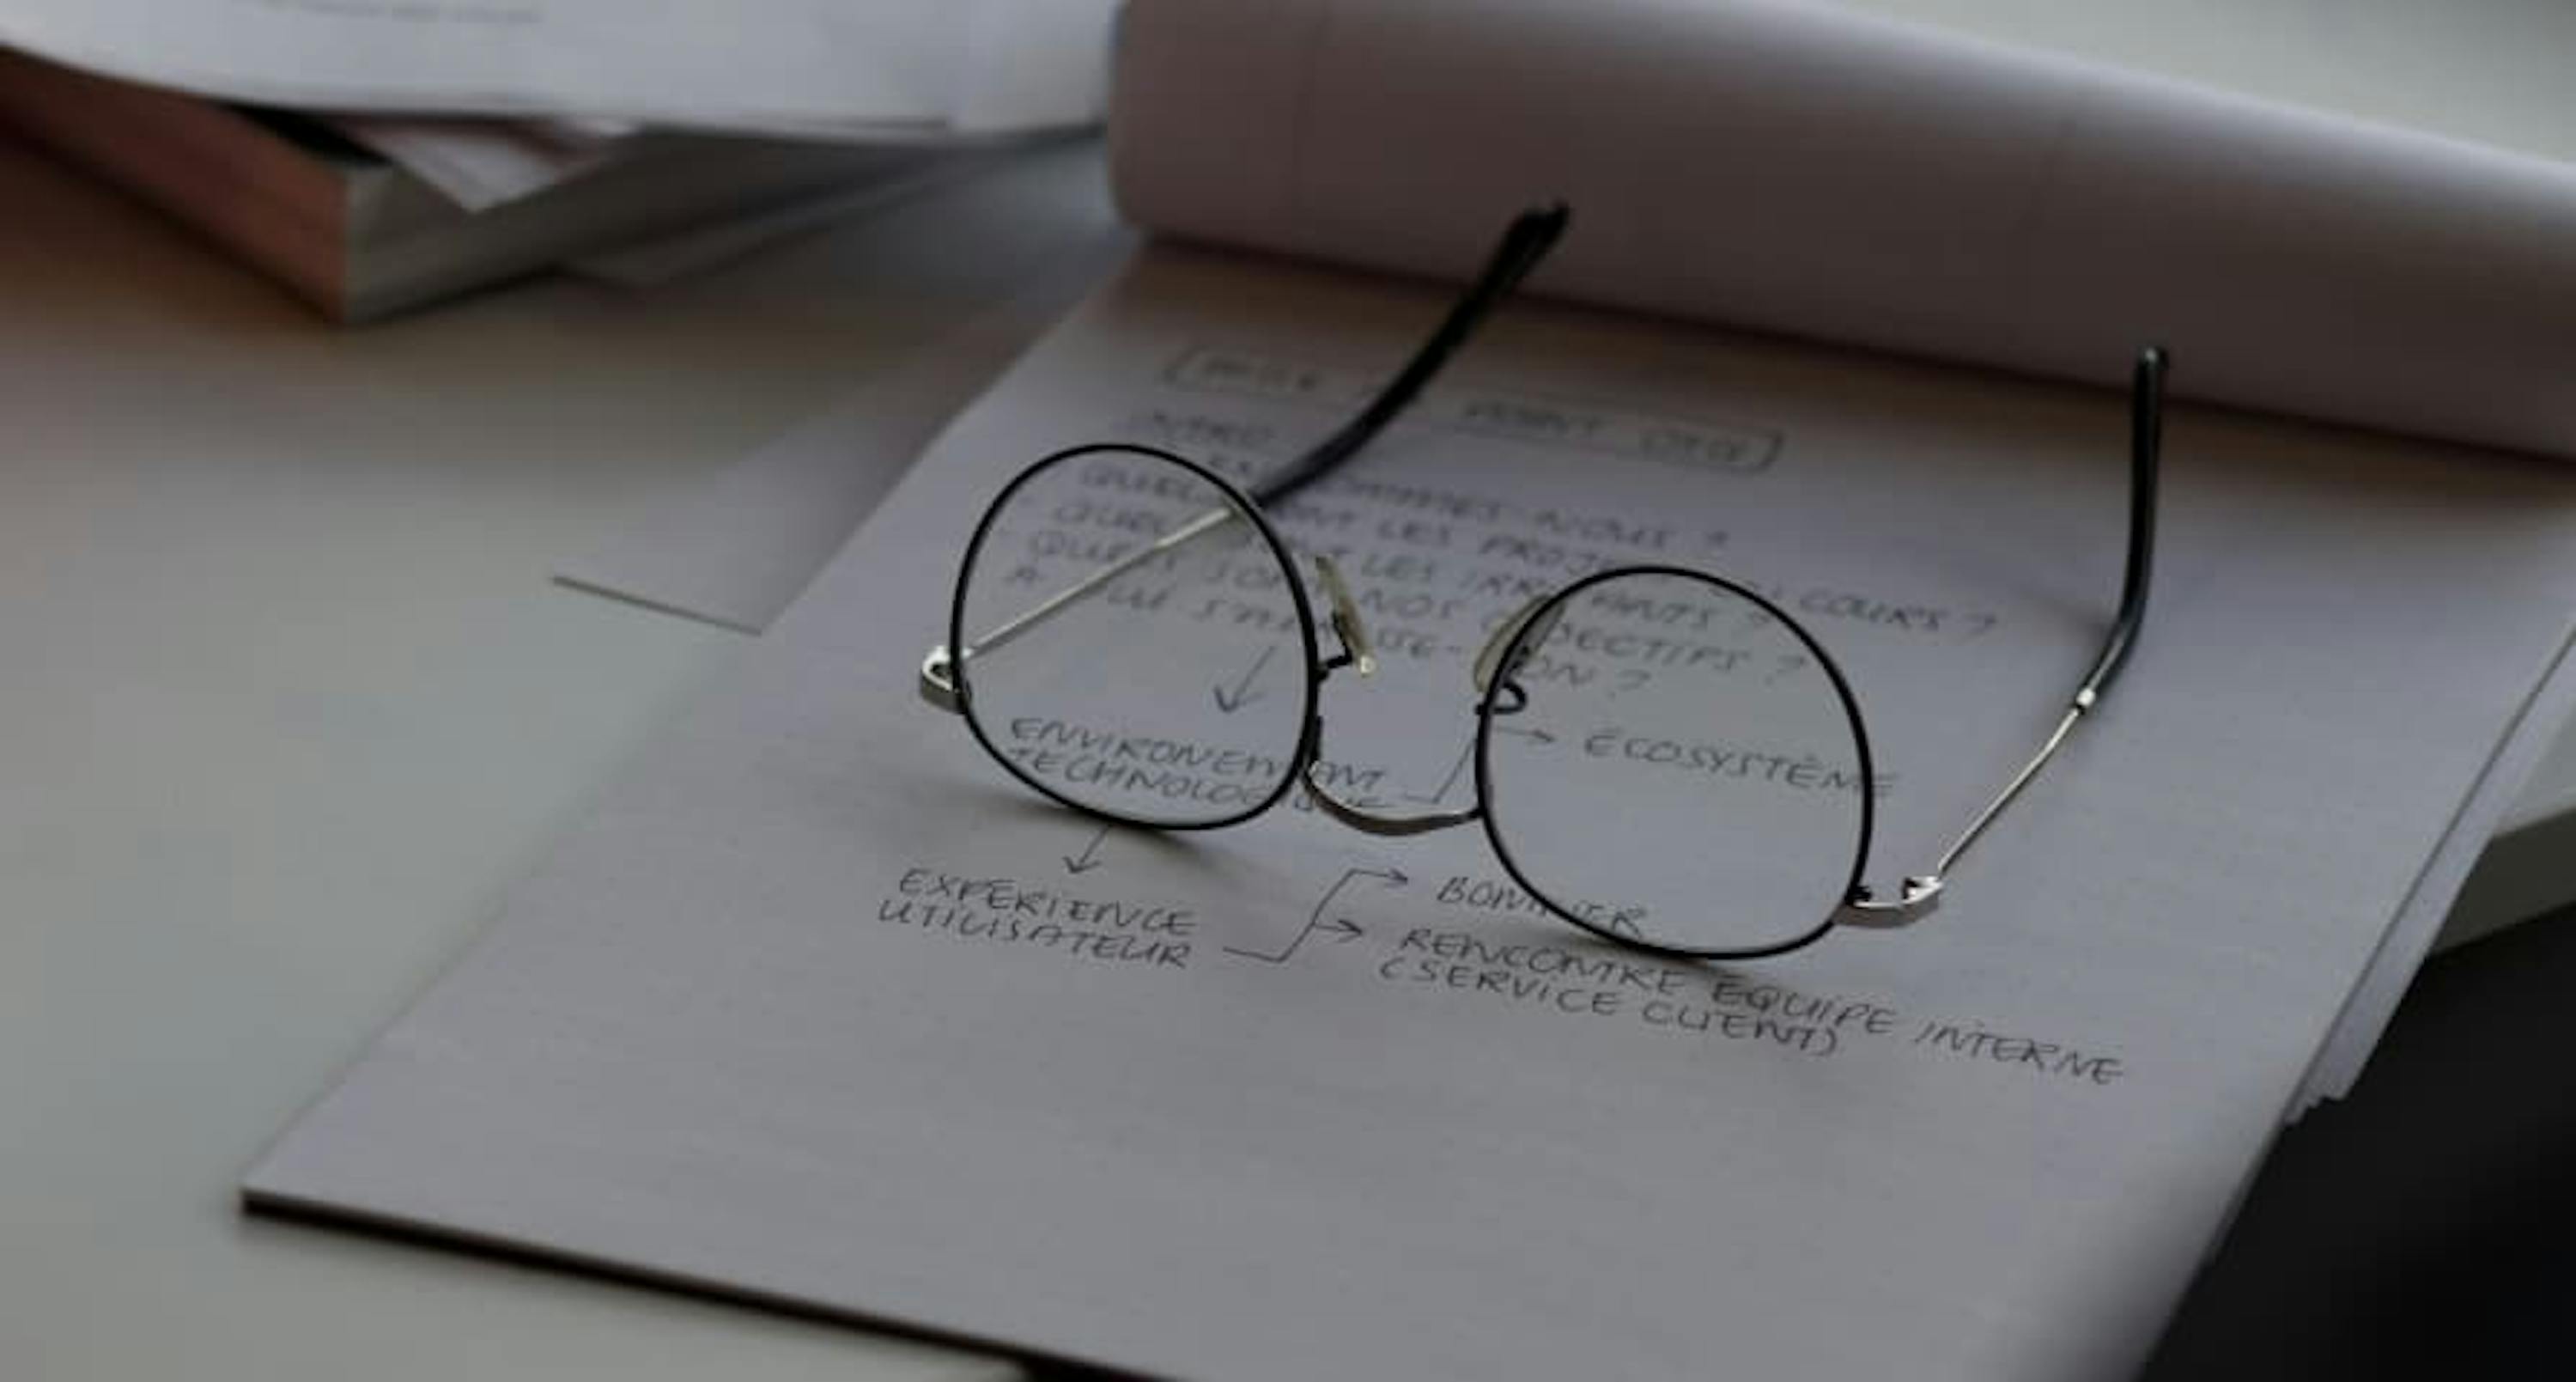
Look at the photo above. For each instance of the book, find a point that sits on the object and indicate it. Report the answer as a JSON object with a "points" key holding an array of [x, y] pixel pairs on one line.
{"points": [[920, 69], [358, 236]]}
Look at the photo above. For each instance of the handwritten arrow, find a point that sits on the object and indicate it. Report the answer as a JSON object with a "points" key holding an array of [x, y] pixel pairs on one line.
{"points": [[1342, 929], [1090, 851], [1243, 694], [1456, 771], [1466, 755]]}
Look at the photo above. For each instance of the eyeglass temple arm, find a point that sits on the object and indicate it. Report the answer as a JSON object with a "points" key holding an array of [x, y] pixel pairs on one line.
{"points": [[939, 668], [1531, 235], [1921, 892]]}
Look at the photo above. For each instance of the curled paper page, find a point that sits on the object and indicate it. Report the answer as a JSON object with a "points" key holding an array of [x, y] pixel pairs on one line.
{"points": [[1855, 179]]}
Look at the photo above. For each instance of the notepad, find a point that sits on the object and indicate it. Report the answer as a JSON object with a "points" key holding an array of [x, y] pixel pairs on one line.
{"points": [[817, 1008]]}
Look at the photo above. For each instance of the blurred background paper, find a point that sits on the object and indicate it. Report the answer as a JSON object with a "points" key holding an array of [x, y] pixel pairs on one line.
{"points": [[814, 66], [377, 158], [481, 164], [1840, 176], [734, 545], [737, 547]]}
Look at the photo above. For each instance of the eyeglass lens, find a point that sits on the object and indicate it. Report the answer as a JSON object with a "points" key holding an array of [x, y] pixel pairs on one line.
{"points": [[1669, 761], [1131, 642]]}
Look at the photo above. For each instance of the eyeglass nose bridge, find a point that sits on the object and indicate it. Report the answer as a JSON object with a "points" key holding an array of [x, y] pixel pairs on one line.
{"points": [[1538, 618], [1355, 654], [1527, 627], [1366, 820]]}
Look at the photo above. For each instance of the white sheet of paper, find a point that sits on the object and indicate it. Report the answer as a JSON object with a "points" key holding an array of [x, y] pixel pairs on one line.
{"points": [[2437, 912], [733, 1034], [2523, 872], [666, 259], [2480, 72], [1026, 232], [481, 164], [735, 548]]}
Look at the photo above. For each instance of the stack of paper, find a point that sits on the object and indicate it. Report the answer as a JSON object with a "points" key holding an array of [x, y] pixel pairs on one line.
{"points": [[435, 148]]}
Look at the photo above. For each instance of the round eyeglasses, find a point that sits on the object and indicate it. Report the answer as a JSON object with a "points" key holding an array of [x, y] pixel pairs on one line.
{"points": [[1662, 756], [1137, 642]]}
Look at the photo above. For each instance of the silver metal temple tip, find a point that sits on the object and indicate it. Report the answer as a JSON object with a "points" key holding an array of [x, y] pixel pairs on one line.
{"points": [[1347, 625], [938, 684], [1918, 898]]}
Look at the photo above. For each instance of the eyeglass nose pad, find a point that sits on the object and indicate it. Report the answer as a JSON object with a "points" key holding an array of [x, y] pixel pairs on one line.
{"points": [[1538, 618], [1346, 618]]}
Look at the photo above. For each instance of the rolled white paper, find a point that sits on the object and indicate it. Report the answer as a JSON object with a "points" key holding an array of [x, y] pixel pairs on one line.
{"points": [[1859, 180]]}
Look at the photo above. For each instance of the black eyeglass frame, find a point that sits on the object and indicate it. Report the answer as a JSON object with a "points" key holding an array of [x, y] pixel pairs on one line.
{"points": [[1310, 716], [1489, 706], [946, 681]]}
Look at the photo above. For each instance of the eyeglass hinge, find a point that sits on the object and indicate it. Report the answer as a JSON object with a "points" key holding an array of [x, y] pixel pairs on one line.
{"points": [[939, 682], [1919, 898]]}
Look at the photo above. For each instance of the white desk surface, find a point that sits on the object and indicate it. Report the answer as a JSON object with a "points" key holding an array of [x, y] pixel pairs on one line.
{"points": [[286, 701]]}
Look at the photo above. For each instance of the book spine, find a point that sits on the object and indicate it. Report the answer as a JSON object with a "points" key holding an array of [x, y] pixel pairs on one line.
{"points": [[273, 205]]}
